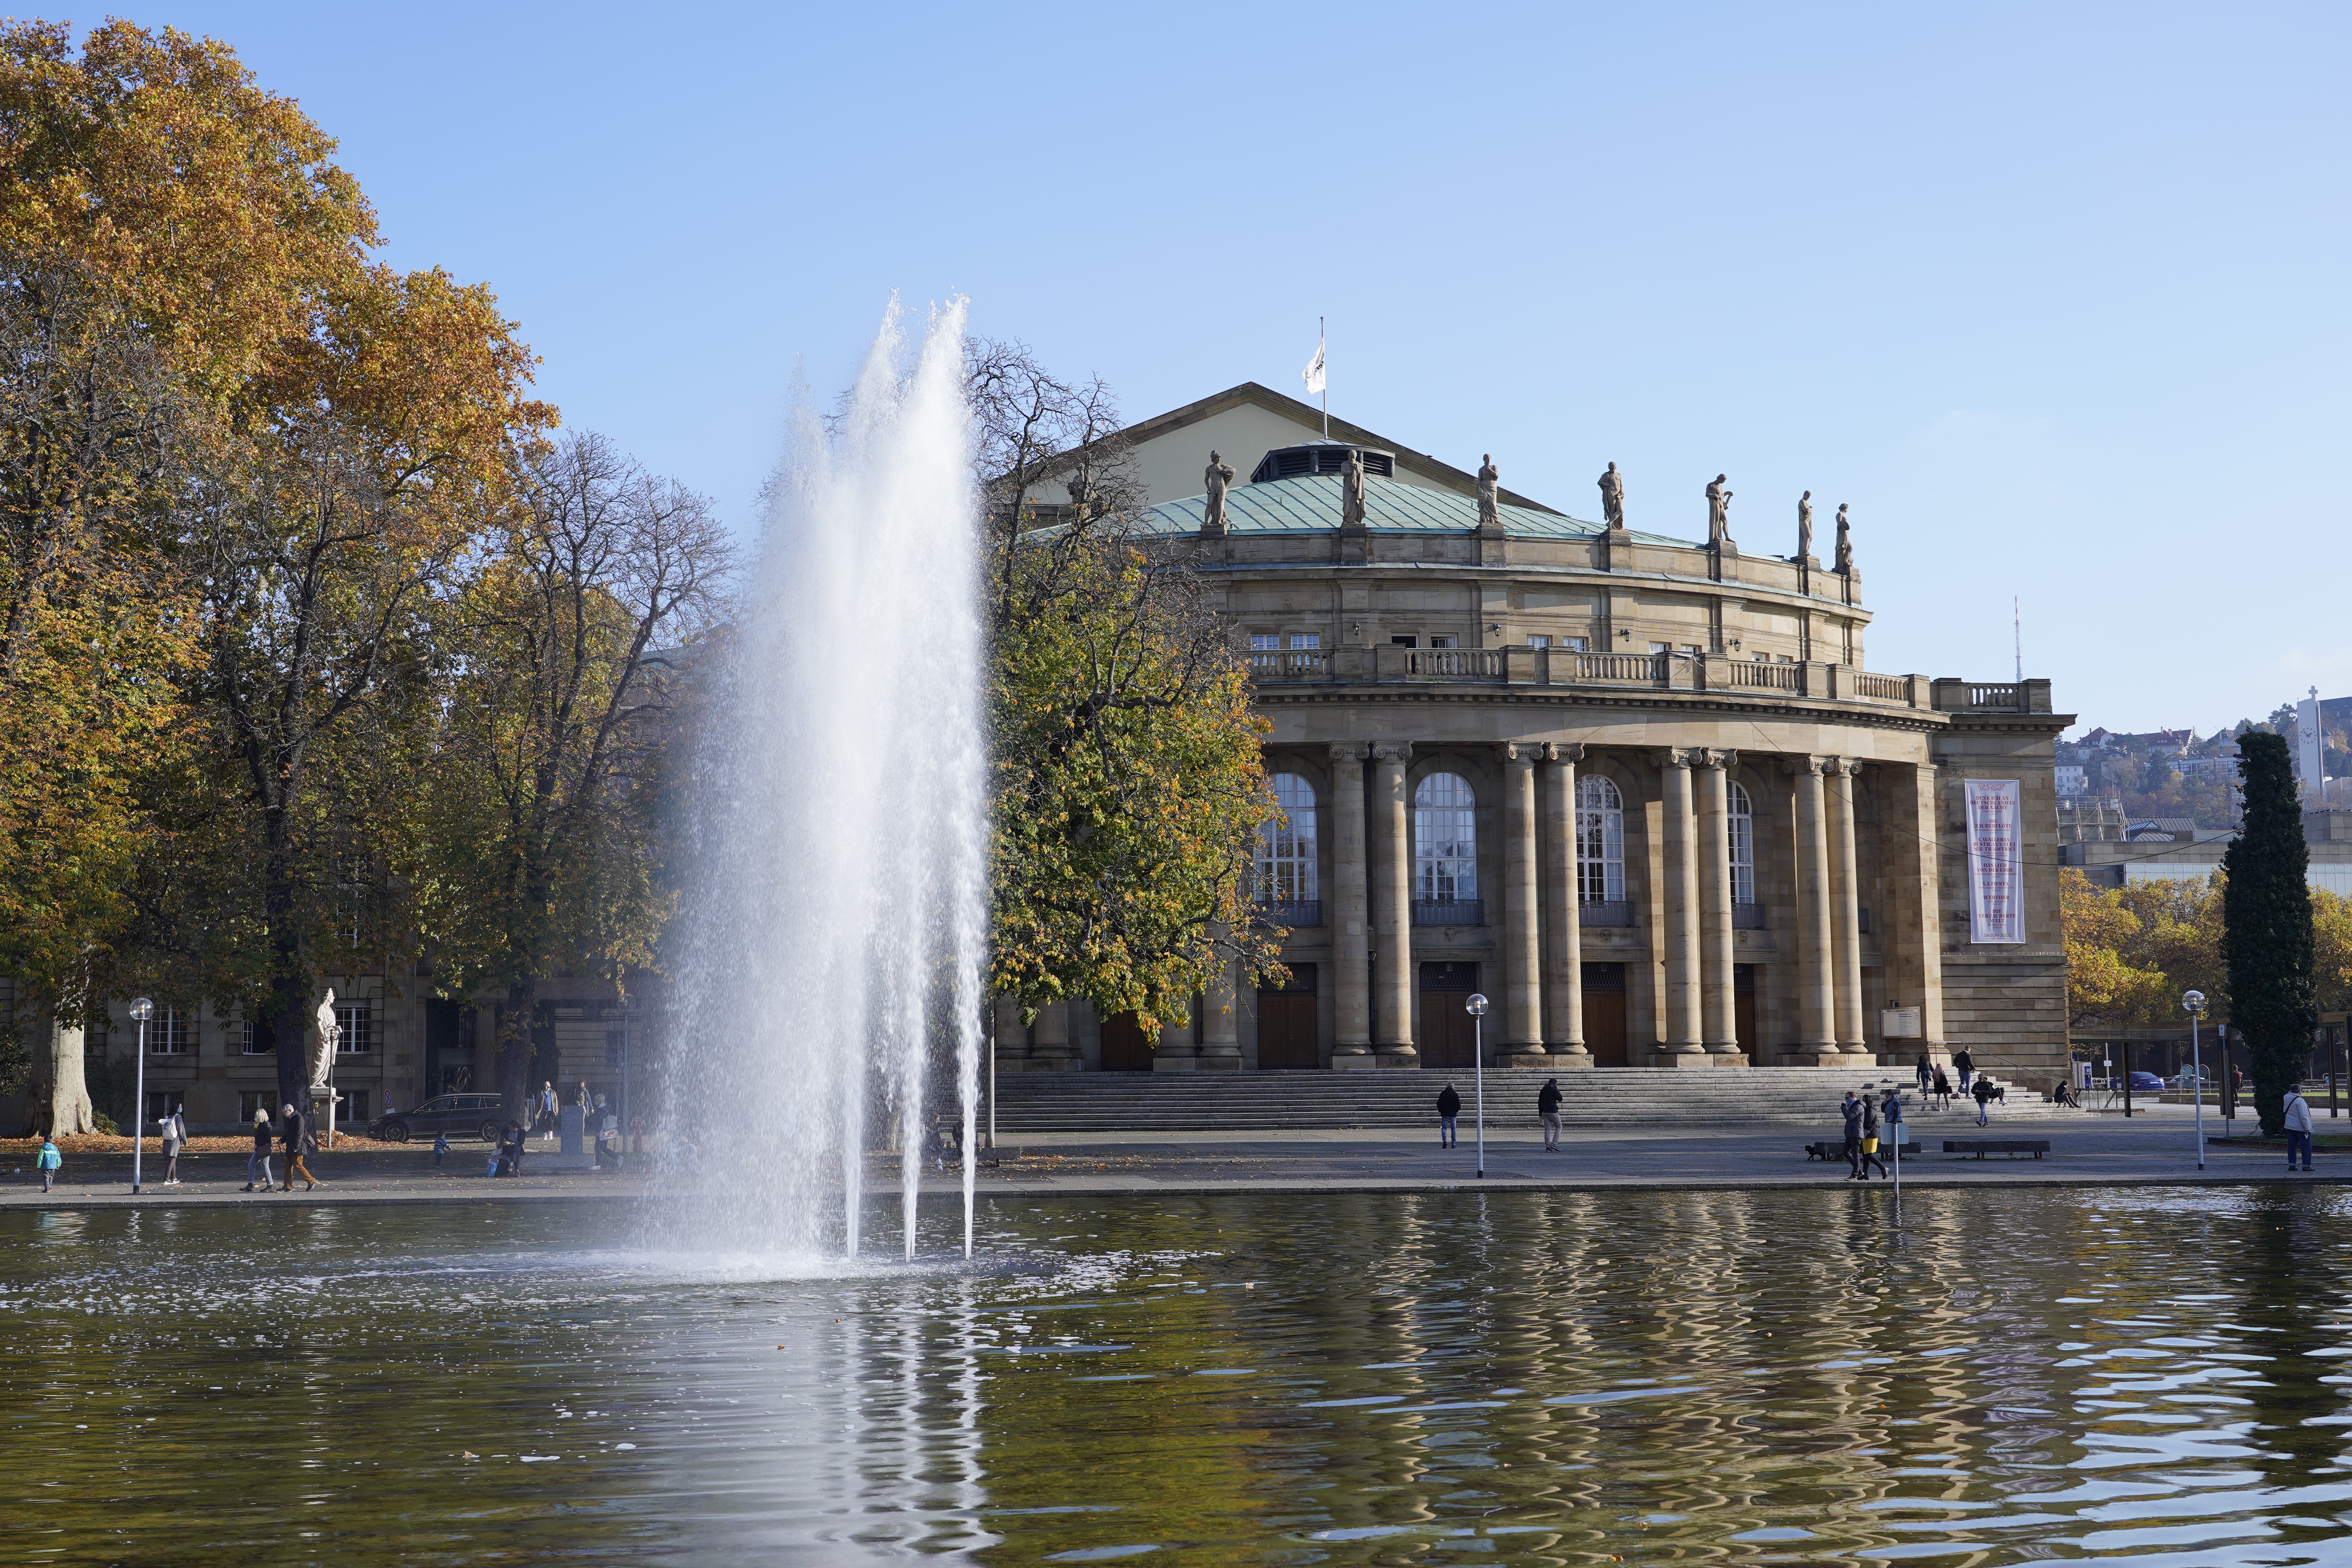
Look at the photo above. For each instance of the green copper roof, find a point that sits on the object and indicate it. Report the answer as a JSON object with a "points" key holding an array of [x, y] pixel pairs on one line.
{"points": [[1311, 504]]}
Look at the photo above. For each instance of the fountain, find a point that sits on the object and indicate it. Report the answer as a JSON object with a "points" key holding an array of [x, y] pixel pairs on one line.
{"points": [[833, 921]]}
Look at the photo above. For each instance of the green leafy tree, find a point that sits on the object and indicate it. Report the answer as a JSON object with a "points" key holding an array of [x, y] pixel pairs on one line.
{"points": [[2267, 939]]}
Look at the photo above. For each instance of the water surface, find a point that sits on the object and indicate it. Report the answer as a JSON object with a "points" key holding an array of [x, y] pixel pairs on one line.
{"points": [[1645, 1378]]}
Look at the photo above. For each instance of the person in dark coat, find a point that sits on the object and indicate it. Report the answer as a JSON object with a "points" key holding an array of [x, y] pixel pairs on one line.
{"points": [[258, 1161], [295, 1134], [1449, 1106], [1966, 1066], [1852, 1111], [1943, 1091], [1984, 1096], [1547, 1107], [1926, 1069], [1869, 1145]]}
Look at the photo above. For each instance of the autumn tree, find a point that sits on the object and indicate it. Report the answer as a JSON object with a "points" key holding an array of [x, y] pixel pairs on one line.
{"points": [[536, 850], [2267, 926], [162, 222], [1128, 785]]}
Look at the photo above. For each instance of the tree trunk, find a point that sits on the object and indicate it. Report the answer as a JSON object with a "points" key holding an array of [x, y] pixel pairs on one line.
{"points": [[59, 1104], [516, 1043]]}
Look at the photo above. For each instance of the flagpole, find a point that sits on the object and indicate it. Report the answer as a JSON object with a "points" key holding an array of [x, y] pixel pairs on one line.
{"points": [[1327, 382]]}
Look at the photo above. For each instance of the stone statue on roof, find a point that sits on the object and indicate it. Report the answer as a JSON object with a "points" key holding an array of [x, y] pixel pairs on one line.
{"points": [[1351, 491], [1490, 514], [1719, 512], [1612, 497], [1844, 541], [1220, 474], [1804, 525]]}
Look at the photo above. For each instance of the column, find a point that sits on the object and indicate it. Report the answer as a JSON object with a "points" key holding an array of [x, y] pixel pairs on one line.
{"points": [[1220, 1015], [1719, 1023], [1679, 1040], [1911, 941], [1816, 1019], [1011, 1037], [1049, 1038], [1392, 908], [1176, 1051], [1845, 912], [1562, 936], [1351, 942], [1522, 957]]}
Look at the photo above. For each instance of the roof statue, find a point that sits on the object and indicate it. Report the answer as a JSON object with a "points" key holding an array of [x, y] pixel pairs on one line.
{"points": [[323, 1045], [1351, 491], [1490, 516], [1612, 497], [1805, 525], [1219, 475], [1719, 512], [1844, 541]]}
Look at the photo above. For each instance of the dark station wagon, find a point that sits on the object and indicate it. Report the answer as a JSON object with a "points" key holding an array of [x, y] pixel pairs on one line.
{"points": [[480, 1114]]}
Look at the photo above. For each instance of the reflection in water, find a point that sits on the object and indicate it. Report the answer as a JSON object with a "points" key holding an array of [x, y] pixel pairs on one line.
{"points": [[1517, 1377]]}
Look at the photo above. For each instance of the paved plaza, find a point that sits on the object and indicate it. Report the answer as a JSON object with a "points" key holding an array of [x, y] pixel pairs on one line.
{"points": [[2091, 1148]]}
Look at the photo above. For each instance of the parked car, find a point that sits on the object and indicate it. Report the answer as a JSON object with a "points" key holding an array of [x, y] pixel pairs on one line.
{"points": [[480, 1114], [2146, 1083]]}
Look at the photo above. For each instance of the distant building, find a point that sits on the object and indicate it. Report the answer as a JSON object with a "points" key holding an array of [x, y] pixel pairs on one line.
{"points": [[2174, 848], [2074, 780]]}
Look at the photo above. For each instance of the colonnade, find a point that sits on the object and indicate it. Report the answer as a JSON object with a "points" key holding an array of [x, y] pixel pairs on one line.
{"points": [[1541, 998]]}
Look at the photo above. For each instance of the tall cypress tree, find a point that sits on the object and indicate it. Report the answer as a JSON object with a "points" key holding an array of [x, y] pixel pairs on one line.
{"points": [[2266, 927]]}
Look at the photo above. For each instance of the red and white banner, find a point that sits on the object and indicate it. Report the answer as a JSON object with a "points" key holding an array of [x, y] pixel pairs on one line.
{"points": [[1996, 861]]}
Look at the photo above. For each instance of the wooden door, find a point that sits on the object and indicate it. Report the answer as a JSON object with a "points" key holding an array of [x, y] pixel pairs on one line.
{"points": [[1125, 1048], [1604, 1014], [1286, 1029], [1448, 1035], [1743, 1008]]}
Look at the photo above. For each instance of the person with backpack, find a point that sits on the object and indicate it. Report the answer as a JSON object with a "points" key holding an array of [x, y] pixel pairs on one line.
{"points": [[48, 1160], [1547, 1107], [259, 1159], [1449, 1106], [175, 1136], [2296, 1111], [1966, 1066]]}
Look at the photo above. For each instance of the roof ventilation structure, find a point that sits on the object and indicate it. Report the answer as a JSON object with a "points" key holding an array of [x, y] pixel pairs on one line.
{"points": [[1320, 458]]}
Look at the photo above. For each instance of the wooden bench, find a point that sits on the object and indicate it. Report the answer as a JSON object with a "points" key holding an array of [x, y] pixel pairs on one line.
{"points": [[1980, 1147], [1834, 1149]]}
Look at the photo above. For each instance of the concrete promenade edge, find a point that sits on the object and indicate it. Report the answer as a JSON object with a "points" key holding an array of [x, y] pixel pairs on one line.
{"points": [[2091, 1151]]}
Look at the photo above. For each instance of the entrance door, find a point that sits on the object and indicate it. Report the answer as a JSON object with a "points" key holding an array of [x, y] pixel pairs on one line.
{"points": [[1448, 1035], [1124, 1047], [1604, 1014], [1286, 1022], [1743, 1008]]}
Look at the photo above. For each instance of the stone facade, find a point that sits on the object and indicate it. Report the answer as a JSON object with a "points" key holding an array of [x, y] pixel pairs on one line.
{"points": [[1449, 693]]}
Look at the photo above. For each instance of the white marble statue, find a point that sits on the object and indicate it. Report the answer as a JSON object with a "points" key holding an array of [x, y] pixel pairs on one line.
{"points": [[322, 1044]]}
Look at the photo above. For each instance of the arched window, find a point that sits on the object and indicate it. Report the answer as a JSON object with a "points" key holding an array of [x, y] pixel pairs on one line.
{"points": [[1600, 841], [1445, 836], [1743, 846], [1286, 846]]}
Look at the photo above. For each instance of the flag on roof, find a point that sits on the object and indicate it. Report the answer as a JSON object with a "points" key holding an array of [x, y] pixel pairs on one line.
{"points": [[1314, 372]]}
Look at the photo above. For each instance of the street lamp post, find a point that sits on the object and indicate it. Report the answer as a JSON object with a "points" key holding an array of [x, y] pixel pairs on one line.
{"points": [[1476, 1008], [142, 1010], [2193, 1004]]}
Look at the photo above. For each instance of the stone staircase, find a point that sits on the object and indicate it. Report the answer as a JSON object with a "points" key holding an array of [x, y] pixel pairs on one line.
{"points": [[1609, 1096]]}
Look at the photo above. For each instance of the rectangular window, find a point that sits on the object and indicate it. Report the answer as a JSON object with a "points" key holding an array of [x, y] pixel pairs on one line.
{"points": [[1404, 642], [1576, 644], [1306, 639], [93, 1043], [1536, 641], [357, 1020], [167, 1033], [1658, 648], [252, 1102], [354, 1110], [161, 1102], [1262, 642], [1690, 647], [252, 1043], [1441, 642]]}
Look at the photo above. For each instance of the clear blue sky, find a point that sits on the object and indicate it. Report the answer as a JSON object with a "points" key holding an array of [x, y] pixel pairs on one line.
{"points": [[2054, 295]]}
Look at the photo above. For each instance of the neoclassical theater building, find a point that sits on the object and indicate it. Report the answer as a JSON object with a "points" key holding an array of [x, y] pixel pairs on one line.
{"points": [[1642, 791]]}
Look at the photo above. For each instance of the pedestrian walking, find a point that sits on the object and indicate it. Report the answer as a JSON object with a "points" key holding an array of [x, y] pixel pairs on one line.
{"points": [[295, 1134], [1547, 1107], [1851, 1110], [1925, 1070], [258, 1161], [48, 1160], [1870, 1155], [1966, 1066], [544, 1108], [1983, 1093], [1943, 1091], [2296, 1111], [176, 1135], [1449, 1106], [440, 1149]]}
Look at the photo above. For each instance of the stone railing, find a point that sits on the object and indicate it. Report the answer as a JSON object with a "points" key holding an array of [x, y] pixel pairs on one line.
{"points": [[1811, 678], [1951, 696]]}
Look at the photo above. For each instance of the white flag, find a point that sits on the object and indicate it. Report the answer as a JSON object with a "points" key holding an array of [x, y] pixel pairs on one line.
{"points": [[1314, 372]]}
